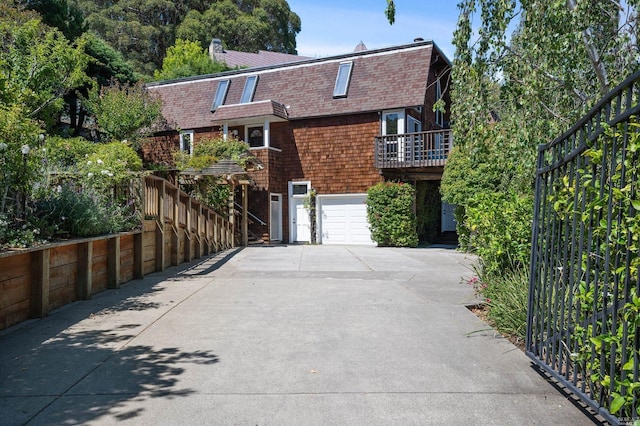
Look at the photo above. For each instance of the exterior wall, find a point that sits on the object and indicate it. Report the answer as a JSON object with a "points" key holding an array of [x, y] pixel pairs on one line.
{"points": [[160, 148], [265, 181], [335, 153]]}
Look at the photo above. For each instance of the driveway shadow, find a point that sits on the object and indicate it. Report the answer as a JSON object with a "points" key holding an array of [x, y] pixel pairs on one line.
{"points": [[81, 363]]}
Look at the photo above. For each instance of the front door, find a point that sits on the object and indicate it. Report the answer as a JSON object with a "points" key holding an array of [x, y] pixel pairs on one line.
{"points": [[300, 225], [448, 217], [275, 219]]}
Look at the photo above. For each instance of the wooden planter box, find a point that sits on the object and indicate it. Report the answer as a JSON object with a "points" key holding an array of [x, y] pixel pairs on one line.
{"points": [[177, 229]]}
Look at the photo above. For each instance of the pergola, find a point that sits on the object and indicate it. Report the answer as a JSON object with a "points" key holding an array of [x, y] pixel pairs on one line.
{"points": [[231, 173]]}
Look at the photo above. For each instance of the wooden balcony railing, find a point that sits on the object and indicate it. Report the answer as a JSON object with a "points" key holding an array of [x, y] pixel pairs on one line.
{"points": [[173, 209], [423, 149]]}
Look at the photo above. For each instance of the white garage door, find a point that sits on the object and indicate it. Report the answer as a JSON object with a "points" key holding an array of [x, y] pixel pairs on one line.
{"points": [[342, 219]]}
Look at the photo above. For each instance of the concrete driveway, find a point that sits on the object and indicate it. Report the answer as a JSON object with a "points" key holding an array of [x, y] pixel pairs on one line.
{"points": [[281, 335]]}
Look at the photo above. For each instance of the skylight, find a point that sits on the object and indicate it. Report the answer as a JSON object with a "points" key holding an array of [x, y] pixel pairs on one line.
{"points": [[342, 80], [249, 89], [221, 94]]}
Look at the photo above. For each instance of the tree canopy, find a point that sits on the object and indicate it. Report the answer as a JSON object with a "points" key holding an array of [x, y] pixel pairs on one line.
{"points": [[58, 14], [38, 66], [124, 112], [187, 58], [523, 72], [143, 30], [558, 62]]}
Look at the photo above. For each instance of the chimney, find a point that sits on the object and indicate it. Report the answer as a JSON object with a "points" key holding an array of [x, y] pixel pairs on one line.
{"points": [[215, 47], [360, 47]]}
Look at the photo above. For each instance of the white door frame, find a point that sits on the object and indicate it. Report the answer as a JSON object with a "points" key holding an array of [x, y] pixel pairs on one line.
{"points": [[292, 208], [321, 199], [401, 130], [414, 144], [275, 223]]}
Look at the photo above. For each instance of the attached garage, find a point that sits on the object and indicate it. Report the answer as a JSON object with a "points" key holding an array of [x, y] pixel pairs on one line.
{"points": [[342, 219]]}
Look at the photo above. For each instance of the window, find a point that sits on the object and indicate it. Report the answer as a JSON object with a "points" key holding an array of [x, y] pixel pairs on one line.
{"points": [[392, 122], [415, 141], [221, 94], [392, 125], [342, 80], [249, 89], [439, 114], [414, 126], [186, 141], [299, 188], [255, 136]]}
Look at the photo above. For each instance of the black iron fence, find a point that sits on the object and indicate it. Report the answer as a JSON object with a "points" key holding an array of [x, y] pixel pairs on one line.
{"points": [[584, 298]]}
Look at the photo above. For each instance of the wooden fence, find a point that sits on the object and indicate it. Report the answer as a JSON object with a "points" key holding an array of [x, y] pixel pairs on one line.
{"points": [[175, 229]]}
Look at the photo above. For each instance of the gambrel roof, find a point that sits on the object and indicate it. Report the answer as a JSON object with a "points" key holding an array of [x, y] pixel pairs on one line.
{"points": [[381, 79]]}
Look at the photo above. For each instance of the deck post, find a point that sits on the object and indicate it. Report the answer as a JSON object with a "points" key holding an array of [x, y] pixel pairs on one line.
{"points": [[113, 262], [85, 260], [160, 249], [40, 283], [138, 255]]}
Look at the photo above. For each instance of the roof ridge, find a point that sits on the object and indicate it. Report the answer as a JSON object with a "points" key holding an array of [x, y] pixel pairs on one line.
{"points": [[230, 73]]}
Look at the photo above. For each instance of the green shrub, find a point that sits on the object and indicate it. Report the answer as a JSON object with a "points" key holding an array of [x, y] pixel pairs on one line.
{"points": [[124, 111], [18, 234], [65, 154], [205, 153], [390, 213], [500, 230], [71, 212], [109, 167], [506, 295], [208, 151]]}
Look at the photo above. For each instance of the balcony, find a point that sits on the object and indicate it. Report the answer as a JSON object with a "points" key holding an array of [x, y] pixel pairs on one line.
{"points": [[416, 150]]}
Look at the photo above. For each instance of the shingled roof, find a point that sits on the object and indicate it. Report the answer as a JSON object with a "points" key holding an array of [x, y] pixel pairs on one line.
{"points": [[250, 110], [263, 58], [381, 79]]}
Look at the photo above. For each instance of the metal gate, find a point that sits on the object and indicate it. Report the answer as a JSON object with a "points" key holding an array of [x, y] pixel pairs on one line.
{"points": [[584, 296]]}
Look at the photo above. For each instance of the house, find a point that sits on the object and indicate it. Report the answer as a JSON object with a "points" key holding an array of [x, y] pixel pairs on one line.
{"points": [[335, 125]]}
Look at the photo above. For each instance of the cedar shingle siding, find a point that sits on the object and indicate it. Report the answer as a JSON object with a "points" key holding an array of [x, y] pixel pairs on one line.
{"points": [[313, 136]]}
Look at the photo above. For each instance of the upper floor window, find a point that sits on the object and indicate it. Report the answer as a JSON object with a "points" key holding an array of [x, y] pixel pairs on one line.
{"points": [[186, 141], [413, 125], [439, 114], [221, 94], [249, 89], [342, 80], [255, 136]]}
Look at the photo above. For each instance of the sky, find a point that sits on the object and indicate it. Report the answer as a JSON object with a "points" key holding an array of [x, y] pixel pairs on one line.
{"points": [[332, 27]]}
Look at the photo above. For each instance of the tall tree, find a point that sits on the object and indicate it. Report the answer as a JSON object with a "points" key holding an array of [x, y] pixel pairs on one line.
{"points": [[38, 66], [125, 112], [58, 14], [244, 26], [538, 82], [105, 66], [185, 59], [510, 94], [143, 30], [140, 29]]}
